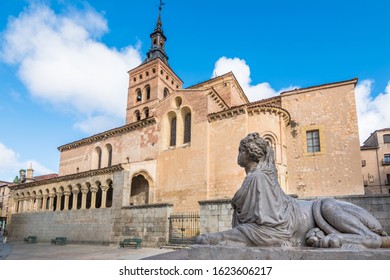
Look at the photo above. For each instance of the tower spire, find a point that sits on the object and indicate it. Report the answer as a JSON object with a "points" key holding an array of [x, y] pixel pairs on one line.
{"points": [[158, 40]]}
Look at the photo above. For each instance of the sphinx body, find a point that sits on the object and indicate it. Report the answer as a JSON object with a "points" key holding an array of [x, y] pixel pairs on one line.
{"points": [[265, 216]]}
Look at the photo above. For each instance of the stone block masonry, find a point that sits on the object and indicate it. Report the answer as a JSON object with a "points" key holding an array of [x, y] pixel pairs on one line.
{"points": [[149, 222], [92, 226], [216, 215]]}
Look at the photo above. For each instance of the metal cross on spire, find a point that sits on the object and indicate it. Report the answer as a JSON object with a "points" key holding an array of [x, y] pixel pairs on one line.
{"points": [[161, 4]]}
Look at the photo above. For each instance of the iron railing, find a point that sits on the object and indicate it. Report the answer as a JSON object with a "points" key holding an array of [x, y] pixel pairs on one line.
{"points": [[183, 228]]}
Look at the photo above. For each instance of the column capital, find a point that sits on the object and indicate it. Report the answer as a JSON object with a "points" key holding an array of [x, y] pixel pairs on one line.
{"points": [[84, 191], [75, 191], [94, 188], [104, 188], [67, 193]]}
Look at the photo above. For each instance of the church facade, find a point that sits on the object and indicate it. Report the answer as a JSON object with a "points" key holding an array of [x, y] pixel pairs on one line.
{"points": [[179, 146]]}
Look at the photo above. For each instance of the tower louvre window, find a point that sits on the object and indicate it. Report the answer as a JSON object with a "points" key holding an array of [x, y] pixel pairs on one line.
{"points": [[146, 113], [137, 116], [147, 88], [139, 95], [166, 92]]}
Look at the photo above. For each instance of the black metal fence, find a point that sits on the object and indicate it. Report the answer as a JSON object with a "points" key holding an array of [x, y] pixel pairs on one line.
{"points": [[183, 228]]}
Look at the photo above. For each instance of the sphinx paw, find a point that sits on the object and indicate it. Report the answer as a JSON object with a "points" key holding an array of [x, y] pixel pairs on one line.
{"points": [[314, 237], [331, 241]]}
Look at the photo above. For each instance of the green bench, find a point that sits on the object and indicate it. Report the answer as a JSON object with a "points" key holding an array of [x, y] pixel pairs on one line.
{"points": [[59, 241], [136, 242], [31, 239]]}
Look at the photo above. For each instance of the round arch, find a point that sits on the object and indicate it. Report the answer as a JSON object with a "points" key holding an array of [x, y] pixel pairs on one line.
{"points": [[97, 158], [142, 188], [271, 138]]}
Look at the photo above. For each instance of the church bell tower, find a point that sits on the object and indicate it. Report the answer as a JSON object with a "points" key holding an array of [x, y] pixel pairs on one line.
{"points": [[153, 80]]}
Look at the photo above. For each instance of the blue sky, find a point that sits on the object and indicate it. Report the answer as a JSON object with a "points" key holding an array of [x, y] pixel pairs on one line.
{"points": [[63, 64]]}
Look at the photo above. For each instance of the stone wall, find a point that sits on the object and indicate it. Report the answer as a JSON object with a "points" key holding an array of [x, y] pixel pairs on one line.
{"points": [[149, 222], [216, 215], [90, 226], [336, 168]]}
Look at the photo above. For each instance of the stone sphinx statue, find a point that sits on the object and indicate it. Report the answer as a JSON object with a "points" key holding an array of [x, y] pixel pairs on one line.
{"points": [[265, 216]]}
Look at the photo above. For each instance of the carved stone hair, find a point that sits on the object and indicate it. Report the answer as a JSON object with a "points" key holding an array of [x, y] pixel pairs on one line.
{"points": [[256, 146]]}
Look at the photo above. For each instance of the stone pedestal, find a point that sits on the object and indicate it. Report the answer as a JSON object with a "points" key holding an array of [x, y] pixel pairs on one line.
{"points": [[206, 252]]}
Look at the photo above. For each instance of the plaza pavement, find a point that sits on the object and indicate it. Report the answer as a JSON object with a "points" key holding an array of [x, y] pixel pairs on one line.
{"points": [[46, 251]]}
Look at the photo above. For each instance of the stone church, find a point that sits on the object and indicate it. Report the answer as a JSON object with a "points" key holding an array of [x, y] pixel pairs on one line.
{"points": [[179, 146]]}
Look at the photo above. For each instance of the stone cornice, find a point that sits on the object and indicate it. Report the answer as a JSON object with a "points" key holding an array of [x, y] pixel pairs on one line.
{"points": [[226, 114], [318, 87], [109, 133], [153, 205], [215, 201], [90, 173], [250, 109], [262, 109], [218, 99]]}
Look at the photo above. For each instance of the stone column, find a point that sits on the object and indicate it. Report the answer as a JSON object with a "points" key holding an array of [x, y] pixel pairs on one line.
{"points": [[59, 196], [39, 203], [32, 204], [51, 201], [18, 205], [104, 196], [66, 202], [75, 197], [24, 202], [93, 190], [44, 202], [84, 191]]}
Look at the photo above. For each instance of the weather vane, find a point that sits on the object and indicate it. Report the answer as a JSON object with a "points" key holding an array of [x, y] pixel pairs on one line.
{"points": [[161, 4]]}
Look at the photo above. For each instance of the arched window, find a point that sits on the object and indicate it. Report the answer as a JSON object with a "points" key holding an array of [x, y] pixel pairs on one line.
{"points": [[271, 141], [139, 95], [147, 89], [146, 113], [97, 158], [109, 154], [187, 128], [166, 92], [172, 141], [137, 115]]}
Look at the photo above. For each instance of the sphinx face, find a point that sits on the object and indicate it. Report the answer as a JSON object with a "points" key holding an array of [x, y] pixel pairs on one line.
{"points": [[243, 157]]}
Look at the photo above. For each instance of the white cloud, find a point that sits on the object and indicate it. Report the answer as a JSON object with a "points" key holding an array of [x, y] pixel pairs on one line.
{"points": [[61, 61], [373, 112], [96, 124], [242, 72], [10, 164]]}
